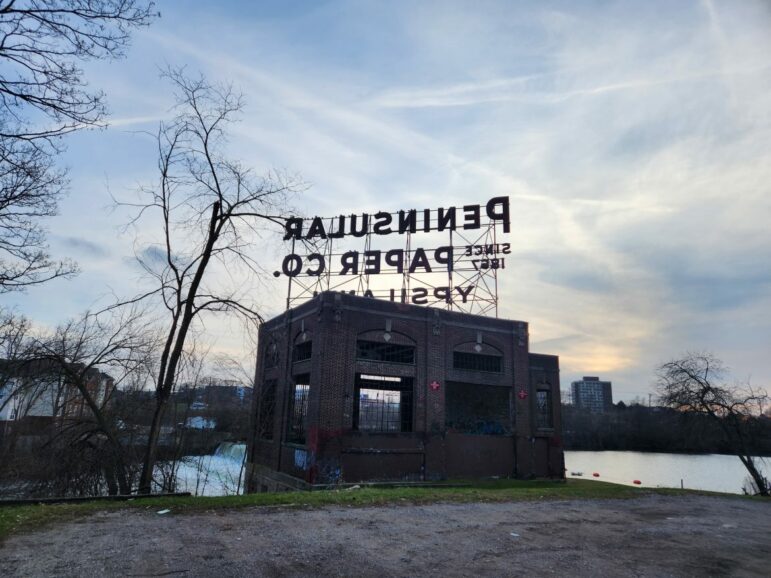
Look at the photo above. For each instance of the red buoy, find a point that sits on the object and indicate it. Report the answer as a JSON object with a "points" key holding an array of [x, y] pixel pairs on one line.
{"points": [[596, 475], [638, 482]]}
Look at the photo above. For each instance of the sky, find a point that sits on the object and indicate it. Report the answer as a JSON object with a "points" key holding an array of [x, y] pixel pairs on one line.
{"points": [[632, 138]]}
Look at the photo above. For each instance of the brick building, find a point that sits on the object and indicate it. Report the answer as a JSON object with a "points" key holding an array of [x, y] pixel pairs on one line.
{"points": [[352, 388]]}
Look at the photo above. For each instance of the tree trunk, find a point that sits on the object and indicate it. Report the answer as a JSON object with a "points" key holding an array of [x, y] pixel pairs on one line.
{"points": [[174, 353], [104, 426], [109, 477], [123, 481], [148, 464], [757, 477]]}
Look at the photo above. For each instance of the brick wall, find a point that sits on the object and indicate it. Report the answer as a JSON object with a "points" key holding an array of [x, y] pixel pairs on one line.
{"points": [[334, 452]]}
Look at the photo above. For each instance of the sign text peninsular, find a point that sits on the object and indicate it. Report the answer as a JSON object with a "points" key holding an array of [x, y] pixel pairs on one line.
{"points": [[497, 209], [419, 260]]}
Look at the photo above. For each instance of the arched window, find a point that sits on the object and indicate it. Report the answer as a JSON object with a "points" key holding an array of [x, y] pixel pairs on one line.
{"points": [[303, 347], [385, 346], [477, 357], [271, 354]]}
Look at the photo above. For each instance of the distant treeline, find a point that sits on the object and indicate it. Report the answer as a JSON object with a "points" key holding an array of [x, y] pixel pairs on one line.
{"points": [[654, 429]]}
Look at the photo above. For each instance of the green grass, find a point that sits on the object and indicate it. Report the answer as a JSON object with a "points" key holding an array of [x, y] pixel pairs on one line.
{"points": [[14, 519]]}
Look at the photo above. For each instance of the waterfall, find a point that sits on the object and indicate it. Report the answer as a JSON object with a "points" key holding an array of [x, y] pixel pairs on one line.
{"points": [[218, 474], [231, 450]]}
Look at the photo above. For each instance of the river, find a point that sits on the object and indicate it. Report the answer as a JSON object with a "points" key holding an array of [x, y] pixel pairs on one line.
{"points": [[220, 474], [714, 472]]}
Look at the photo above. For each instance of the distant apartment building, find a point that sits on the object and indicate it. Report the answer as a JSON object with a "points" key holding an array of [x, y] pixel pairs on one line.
{"points": [[592, 394], [34, 394]]}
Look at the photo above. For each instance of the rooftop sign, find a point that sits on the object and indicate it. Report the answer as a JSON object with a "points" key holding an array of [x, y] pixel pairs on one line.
{"points": [[471, 247]]}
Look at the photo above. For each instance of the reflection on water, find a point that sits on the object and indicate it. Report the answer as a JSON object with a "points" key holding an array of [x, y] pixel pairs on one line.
{"points": [[714, 472]]}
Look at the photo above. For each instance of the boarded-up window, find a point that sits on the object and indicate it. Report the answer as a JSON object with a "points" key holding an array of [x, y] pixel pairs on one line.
{"points": [[302, 351], [476, 361], [478, 409], [388, 352], [271, 355]]}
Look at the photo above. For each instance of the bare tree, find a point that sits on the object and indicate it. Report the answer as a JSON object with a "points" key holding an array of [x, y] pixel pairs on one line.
{"points": [[14, 333], [120, 341], [43, 97], [190, 370], [210, 211], [694, 383], [62, 376], [30, 187]]}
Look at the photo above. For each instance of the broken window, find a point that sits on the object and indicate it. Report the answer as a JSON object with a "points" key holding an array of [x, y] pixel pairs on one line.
{"points": [[389, 352], [543, 409], [478, 409], [298, 409], [383, 403], [476, 361], [302, 351], [267, 409]]}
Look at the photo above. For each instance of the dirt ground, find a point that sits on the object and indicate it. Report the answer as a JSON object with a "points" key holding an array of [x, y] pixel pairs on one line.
{"points": [[649, 536]]}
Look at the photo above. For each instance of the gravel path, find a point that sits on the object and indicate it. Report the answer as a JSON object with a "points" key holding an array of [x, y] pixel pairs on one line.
{"points": [[649, 536]]}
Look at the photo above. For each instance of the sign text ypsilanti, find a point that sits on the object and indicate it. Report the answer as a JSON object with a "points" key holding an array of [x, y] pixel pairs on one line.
{"points": [[415, 261]]}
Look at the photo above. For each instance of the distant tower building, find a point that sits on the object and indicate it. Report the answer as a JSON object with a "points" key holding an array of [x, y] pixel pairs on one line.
{"points": [[592, 394]]}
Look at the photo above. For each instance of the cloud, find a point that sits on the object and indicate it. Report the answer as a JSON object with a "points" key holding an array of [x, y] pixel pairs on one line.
{"points": [[136, 120], [152, 255], [632, 139], [532, 89], [557, 343], [80, 246], [466, 94]]}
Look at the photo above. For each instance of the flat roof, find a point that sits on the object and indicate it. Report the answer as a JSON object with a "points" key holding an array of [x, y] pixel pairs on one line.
{"points": [[372, 305]]}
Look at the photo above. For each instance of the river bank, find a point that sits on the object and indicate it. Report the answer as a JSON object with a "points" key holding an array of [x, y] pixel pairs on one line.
{"points": [[649, 535], [710, 472]]}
